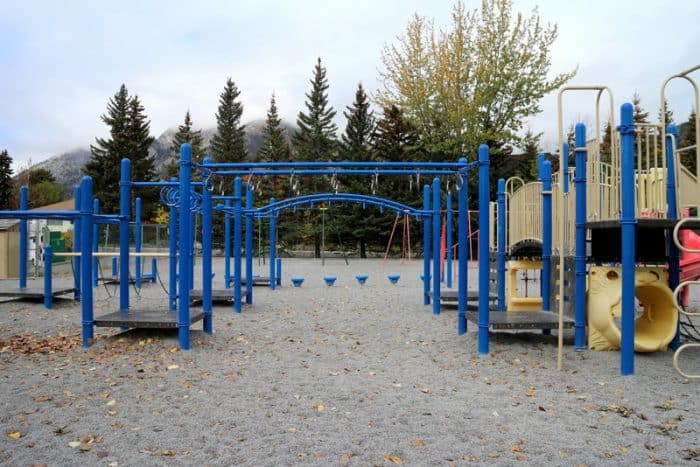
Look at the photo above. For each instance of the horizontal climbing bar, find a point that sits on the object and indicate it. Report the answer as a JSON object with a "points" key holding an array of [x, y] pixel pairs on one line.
{"points": [[342, 172], [64, 215], [324, 164]]}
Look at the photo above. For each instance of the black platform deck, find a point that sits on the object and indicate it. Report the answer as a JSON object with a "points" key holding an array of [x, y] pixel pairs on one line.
{"points": [[258, 281], [115, 280], [33, 292], [452, 295], [145, 319], [217, 295], [514, 320]]}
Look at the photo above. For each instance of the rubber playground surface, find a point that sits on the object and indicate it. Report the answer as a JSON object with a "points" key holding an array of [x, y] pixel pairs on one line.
{"points": [[318, 375]]}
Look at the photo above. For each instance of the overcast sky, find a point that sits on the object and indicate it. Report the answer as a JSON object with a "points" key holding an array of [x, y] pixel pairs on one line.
{"points": [[60, 62]]}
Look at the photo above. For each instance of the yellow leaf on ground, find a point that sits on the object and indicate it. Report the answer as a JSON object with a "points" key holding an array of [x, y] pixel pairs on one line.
{"points": [[111, 403], [394, 459], [14, 435], [74, 444], [173, 367], [531, 393], [417, 442], [167, 453]]}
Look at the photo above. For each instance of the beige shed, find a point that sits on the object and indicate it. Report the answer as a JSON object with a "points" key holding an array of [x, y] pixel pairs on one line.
{"points": [[9, 248]]}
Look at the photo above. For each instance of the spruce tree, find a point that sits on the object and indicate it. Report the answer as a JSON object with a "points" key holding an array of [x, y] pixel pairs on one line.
{"points": [[228, 144], [129, 138], [185, 134], [688, 138], [356, 221], [6, 185], [315, 140], [274, 148]]}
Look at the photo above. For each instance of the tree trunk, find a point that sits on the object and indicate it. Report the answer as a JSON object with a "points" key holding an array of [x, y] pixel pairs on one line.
{"points": [[363, 249]]}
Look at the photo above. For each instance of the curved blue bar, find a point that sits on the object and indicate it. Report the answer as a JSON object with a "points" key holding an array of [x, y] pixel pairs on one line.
{"points": [[580, 256], [628, 226], [339, 198], [483, 249]]}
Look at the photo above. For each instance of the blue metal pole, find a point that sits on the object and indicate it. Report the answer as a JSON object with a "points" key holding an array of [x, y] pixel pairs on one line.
{"points": [[426, 246], [674, 257], [124, 215], [193, 240], [137, 242], [436, 246], [23, 206], [501, 280], [172, 258], [278, 277], [154, 269], [273, 246], [227, 245], [546, 177], [483, 249], [237, 221], [114, 266], [565, 169], [463, 278], [249, 247], [76, 244], [86, 258], [207, 230], [627, 223], [580, 254], [448, 246], [95, 243], [48, 272], [183, 316]]}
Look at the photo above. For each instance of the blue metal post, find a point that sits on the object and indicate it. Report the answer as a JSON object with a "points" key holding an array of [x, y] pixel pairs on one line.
{"points": [[249, 246], [546, 177], [206, 256], [463, 278], [172, 258], [237, 227], [48, 266], [114, 267], [124, 216], [501, 279], [628, 227], [483, 249], [86, 258], [273, 246], [580, 256], [137, 242], [95, 243], [278, 276], [436, 246], [193, 240], [565, 169], [674, 256], [154, 269], [426, 245], [23, 206], [183, 316], [76, 244], [227, 245], [448, 243]]}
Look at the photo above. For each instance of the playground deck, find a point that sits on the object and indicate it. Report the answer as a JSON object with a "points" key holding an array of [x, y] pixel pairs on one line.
{"points": [[217, 296], [258, 281], [32, 292], [452, 296], [515, 320], [145, 319]]}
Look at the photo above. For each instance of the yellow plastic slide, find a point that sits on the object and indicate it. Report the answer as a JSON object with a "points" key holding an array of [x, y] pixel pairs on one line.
{"points": [[654, 327]]}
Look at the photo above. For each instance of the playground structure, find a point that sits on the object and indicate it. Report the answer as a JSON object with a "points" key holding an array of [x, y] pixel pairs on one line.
{"points": [[626, 204], [634, 195]]}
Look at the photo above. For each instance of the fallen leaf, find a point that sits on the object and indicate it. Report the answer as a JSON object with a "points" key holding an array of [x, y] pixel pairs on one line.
{"points": [[173, 367], [468, 458], [85, 447], [167, 453], [43, 399], [14, 435], [102, 454], [562, 454], [515, 448], [74, 444], [531, 393], [292, 430], [394, 459], [321, 408], [111, 403], [345, 458], [424, 390], [494, 413], [417, 442], [656, 460]]}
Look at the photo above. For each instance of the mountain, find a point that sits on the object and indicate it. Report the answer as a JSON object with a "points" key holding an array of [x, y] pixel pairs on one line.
{"points": [[68, 167]]}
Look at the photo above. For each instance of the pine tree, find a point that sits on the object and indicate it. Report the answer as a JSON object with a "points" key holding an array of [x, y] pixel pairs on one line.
{"points": [[668, 112], [315, 140], [274, 148], [130, 138], [184, 134], [640, 116], [606, 143], [228, 144], [6, 185], [688, 157]]}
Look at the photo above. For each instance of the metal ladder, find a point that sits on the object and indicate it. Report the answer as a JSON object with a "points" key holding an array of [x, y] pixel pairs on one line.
{"points": [[676, 301]]}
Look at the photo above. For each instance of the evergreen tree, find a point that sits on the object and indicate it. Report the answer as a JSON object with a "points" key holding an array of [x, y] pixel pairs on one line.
{"points": [[6, 185], [668, 112], [359, 129], [315, 140], [228, 144], [606, 143], [274, 148], [185, 134], [688, 138], [130, 138], [640, 116]]}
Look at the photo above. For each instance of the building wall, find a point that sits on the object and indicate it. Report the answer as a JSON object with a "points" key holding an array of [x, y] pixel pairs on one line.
{"points": [[9, 253]]}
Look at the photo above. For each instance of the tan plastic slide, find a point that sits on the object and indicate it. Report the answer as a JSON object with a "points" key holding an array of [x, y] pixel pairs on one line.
{"points": [[654, 328]]}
